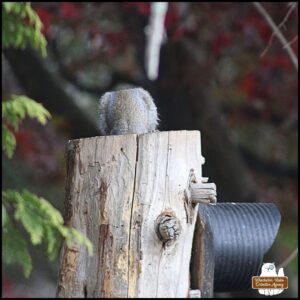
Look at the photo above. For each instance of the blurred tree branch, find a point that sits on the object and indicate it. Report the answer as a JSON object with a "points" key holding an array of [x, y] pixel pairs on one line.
{"points": [[274, 169], [253, 113], [293, 255], [155, 32], [186, 105], [278, 33], [282, 24], [40, 84], [117, 77], [286, 45], [190, 106], [294, 39]]}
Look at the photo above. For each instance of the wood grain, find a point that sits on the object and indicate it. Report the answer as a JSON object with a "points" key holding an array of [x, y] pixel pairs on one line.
{"points": [[117, 187]]}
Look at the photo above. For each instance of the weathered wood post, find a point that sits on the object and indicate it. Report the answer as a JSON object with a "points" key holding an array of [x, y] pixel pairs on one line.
{"points": [[132, 195]]}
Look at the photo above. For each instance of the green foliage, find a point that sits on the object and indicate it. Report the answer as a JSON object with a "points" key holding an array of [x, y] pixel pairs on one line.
{"points": [[288, 236], [41, 221], [8, 141], [22, 26], [13, 112], [4, 215], [14, 247]]}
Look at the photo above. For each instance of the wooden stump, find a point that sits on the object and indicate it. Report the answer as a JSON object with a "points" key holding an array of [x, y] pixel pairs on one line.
{"points": [[119, 191]]}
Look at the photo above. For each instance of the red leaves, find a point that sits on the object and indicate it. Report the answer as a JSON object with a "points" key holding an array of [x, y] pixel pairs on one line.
{"points": [[116, 41], [248, 84], [260, 26], [69, 10], [142, 7], [172, 17], [222, 41], [176, 30], [25, 141], [178, 33], [6, 284], [257, 85], [280, 61], [8, 289], [283, 61], [36, 150], [46, 18]]}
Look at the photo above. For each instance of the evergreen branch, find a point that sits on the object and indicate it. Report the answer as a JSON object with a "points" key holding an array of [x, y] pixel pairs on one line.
{"points": [[15, 110], [41, 221], [8, 141], [22, 26]]}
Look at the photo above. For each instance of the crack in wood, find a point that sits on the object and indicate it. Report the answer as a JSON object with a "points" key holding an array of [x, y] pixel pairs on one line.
{"points": [[131, 215], [123, 202], [102, 201]]}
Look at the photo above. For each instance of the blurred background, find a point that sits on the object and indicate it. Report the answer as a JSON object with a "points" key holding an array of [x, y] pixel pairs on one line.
{"points": [[221, 72]]}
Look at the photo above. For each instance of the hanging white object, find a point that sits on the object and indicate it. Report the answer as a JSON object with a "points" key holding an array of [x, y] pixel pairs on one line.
{"points": [[155, 33]]}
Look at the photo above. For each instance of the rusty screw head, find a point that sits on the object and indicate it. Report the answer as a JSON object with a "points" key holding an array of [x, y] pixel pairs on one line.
{"points": [[168, 228]]}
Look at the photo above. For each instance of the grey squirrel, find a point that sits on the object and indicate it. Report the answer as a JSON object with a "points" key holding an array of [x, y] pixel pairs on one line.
{"points": [[127, 111]]}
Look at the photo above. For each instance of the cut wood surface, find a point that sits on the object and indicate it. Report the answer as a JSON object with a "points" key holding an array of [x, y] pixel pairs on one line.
{"points": [[117, 187], [202, 261]]}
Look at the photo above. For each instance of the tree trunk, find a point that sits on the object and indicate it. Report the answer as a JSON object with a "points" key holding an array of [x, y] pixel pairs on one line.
{"points": [[120, 192], [46, 88], [188, 104]]}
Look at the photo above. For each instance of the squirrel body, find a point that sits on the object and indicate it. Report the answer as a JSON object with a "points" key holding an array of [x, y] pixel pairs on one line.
{"points": [[127, 111]]}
